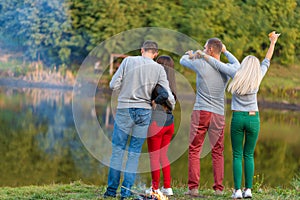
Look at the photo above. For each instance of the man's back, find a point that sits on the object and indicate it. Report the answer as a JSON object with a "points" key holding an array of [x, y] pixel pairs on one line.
{"points": [[136, 79], [210, 85]]}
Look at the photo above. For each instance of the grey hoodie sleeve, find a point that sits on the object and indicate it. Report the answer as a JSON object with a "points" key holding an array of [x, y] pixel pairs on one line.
{"points": [[228, 69], [116, 81], [187, 62], [265, 64]]}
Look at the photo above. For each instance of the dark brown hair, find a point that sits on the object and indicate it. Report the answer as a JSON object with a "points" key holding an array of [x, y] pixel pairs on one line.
{"points": [[216, 45], [150, 45], [168, 64]]}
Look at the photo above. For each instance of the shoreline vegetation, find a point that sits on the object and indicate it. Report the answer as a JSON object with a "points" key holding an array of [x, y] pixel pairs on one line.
{"points": [[67, 84], [79, 190], [280, 89]]}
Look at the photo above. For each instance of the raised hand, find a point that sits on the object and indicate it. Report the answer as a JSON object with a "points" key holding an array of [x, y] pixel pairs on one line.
{"points": [[273, 36]]}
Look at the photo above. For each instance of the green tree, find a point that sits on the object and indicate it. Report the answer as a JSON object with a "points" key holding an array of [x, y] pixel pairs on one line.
{"points": [[41, 27], [65, 31]]}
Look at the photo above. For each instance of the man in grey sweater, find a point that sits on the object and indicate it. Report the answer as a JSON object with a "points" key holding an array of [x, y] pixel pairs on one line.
{"points": [[208, 113], [135, 79]]}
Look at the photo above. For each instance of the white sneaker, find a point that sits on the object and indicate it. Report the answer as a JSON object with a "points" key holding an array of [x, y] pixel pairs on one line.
{"points": [[167, 191], [247, 194], [150, 190], [237, 194]]}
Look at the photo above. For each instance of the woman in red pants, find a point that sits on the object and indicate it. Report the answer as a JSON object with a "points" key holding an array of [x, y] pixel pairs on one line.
{"points": [[161, 130]]}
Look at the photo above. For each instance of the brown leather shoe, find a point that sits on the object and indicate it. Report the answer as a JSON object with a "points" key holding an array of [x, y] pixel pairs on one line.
{"points": [[192, 192]]}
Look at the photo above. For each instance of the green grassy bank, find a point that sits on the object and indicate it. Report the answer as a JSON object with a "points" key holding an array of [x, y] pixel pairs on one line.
{"points": [[281, 84], [79, 190]]}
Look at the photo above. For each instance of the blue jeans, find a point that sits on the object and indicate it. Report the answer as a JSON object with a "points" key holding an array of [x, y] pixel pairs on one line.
{"points": [[129, 123]]}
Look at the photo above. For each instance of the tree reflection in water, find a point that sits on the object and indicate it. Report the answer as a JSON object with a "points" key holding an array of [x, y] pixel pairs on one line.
{"points": [[40, 145]]}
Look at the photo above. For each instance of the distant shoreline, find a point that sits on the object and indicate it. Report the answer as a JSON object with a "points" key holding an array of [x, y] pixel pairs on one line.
{"points": [[275, 105], [19, 83]]}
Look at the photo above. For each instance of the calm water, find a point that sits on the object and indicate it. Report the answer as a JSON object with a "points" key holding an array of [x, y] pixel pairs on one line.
{"points": [[40, 144]]}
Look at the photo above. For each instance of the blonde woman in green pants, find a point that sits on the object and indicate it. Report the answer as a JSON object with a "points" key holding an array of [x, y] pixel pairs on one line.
{"points": [[245, 122]]}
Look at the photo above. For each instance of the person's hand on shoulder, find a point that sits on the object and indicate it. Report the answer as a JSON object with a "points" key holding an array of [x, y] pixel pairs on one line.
{"points": [[190, 53]]}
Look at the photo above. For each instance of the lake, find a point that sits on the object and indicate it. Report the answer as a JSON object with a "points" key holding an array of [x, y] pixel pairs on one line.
{"points": [[41, 143]]}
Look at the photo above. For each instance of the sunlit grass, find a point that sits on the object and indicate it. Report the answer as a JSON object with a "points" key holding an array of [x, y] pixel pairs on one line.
{"points": [[281, 84], [79, 190]]}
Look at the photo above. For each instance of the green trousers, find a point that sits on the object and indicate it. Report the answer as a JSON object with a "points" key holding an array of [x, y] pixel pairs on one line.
{"points": [[244, 133]]}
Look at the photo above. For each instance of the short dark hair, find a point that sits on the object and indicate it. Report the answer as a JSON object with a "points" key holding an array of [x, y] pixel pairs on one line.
{"points": [[216, 44], [150, 45]]}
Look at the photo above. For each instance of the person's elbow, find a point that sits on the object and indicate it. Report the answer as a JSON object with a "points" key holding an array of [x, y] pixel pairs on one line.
{"points": [[234, 66], [172, 101], [237, 65], [112, 85], [183, 60], [173, 105]]}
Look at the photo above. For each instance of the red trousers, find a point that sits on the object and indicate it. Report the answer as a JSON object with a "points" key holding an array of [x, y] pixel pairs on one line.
{"points": [[158, 141], [203, 122]]}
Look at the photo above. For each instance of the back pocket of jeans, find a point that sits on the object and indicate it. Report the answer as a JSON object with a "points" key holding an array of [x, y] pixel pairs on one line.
{"points": [[143, 117]]}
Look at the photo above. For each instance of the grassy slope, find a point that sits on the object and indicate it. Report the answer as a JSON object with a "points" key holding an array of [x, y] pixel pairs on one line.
{"points": [[79, 190], [281, 84]]}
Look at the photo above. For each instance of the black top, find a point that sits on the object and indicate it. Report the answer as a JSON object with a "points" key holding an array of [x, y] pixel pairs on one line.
{"points": [[163, 112]]}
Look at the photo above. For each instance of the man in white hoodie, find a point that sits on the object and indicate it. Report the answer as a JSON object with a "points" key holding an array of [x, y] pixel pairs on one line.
{"points": [[135, 79]]}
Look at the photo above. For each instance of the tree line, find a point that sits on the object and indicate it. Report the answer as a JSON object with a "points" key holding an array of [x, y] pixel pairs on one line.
{"points": [[65, 31]]}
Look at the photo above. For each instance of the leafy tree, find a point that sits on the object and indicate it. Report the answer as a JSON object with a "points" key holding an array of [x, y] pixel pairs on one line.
{"points": [[41, 27], [266, 17], [64, 31]]}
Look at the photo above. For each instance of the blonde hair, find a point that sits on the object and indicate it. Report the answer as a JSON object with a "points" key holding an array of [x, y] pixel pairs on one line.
{"points": [[247, 78]]}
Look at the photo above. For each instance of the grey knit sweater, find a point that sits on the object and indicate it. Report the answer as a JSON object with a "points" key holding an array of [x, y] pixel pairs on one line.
{"points": [[136, 78]]}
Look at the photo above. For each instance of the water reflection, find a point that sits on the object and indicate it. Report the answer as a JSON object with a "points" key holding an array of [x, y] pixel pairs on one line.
{"points": [[40, 145], [277, 155], [39, 142]]}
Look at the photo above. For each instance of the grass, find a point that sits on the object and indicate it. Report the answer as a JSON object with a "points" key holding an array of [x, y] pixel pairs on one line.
{"points": [[281, 84], [79, 190]]}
